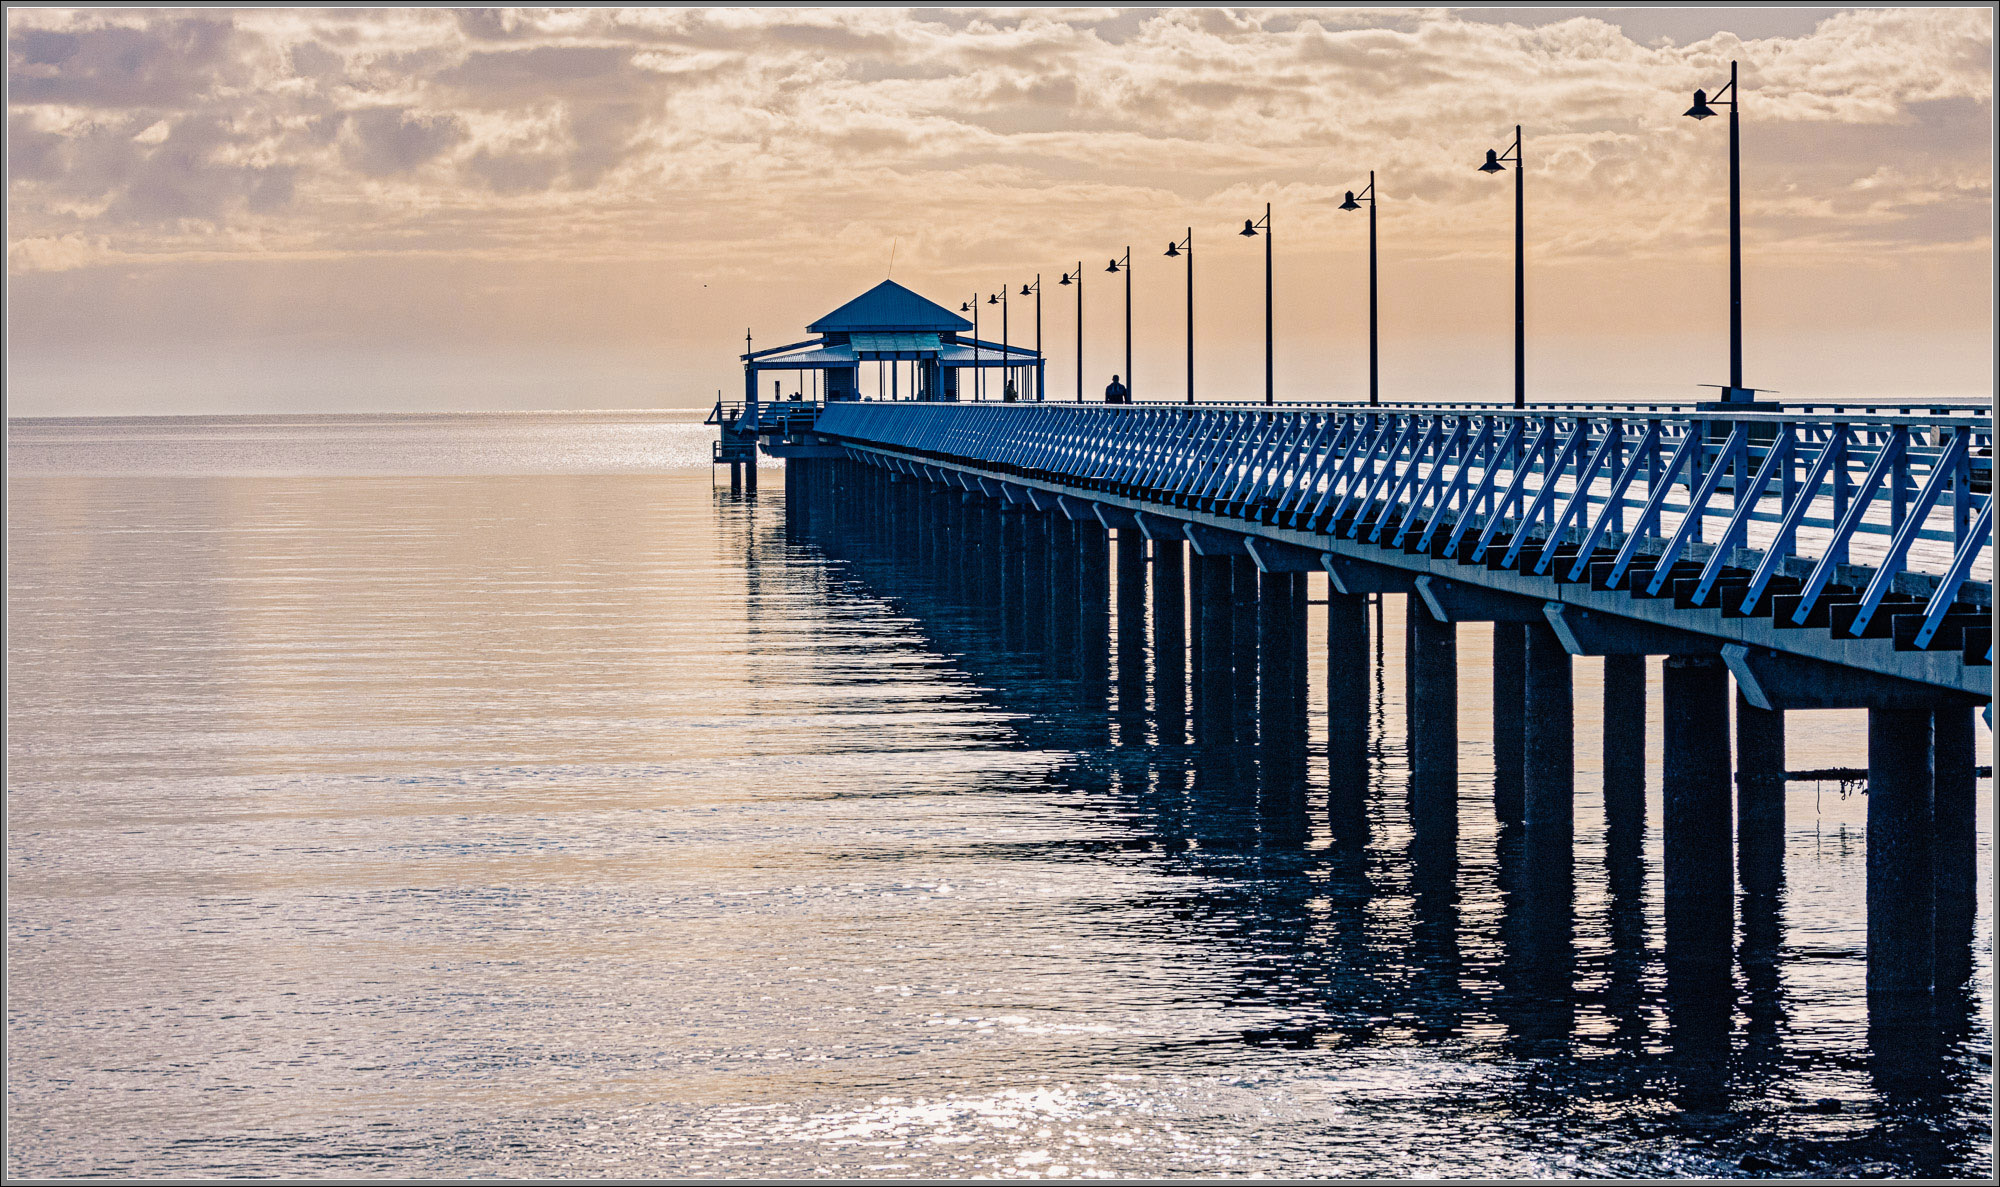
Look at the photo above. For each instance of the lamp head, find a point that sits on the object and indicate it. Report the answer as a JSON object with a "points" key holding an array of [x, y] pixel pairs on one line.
{"points": [[993, 298], [1350, 204], [1065, 278], [1024, 290], [1701, 110], [965, 307], [1113, 267], [1249, 228], [1492, 164], [1173, 249]]}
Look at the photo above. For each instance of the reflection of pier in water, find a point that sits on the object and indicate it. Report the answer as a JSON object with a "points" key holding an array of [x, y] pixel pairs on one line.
{"points": [[1359, 914]]}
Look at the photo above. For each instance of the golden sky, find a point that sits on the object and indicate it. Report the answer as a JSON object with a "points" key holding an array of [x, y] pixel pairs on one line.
{"points": [[363, 210]]}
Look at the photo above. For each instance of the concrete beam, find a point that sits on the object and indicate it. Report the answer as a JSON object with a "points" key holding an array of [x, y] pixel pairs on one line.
{"points": [[1351, 576], [1274, 557], [1209, 541], [1113, 517], [1455, 601], [1042, 500], [1592, 632], [1155, 526], [1774, 680], [1076, 509]]}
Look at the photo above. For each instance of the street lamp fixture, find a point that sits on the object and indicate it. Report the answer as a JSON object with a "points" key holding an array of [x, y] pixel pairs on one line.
{"points": [[1076, 278], [1702, 109], [1124, 262], [1354, 202], [1250, 228], [1040, 369], [1186, 248], [1494, 164]]}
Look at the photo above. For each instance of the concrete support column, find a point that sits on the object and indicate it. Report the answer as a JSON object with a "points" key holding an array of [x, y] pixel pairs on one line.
{"points": [[1760, 797], [1131, 551], [1218, 649], [1694, 822], [1625, 745], [1347, 716], [1243, 634], [1901, 890], [1510, 642], [1954, 853], [1093, 631], [1548, 764], [1063, 594], [1013, 587], [1035, 579], [1433, 663], [1170, 659]]}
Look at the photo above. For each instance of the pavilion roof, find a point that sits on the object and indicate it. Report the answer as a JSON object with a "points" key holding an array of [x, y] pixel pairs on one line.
{"points": [[890, 308]]}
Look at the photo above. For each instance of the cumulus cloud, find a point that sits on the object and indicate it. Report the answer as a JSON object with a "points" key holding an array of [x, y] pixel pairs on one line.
{"points": [[323, 132]]}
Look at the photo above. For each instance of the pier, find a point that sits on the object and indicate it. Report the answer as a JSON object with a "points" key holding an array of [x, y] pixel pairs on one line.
{"points": [[1816, 556]]}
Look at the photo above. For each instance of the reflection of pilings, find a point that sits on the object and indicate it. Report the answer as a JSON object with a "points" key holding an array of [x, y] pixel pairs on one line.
{"points": [[1900, 877], [1548, 764], [1170, 639], [1954, 853], [1131, 551], [1217, 695], [1760, 797], [1281, 733], [1694, 823], [1347, 716], [1433, 712], [1624, 744], [1243, 635], [1510, 643]]}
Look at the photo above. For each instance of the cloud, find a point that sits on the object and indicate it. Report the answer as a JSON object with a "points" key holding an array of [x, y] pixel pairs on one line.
{"points": [[58, 254], [387, 141], [171, 62]]}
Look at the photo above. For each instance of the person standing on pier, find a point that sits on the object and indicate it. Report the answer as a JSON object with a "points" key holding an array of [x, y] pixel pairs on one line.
{"points": [[1116, 393]]}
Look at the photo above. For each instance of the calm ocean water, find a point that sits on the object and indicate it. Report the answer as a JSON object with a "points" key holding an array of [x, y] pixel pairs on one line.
{"points": [[489, 795]]}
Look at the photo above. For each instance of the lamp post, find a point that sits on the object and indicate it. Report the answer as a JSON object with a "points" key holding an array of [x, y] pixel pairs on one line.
{"points": [[1186, 248], [978, 372], [1493, 165], [1354, 203], [1007, 350], [1250, 228], [1125, 261], [1076, 278], [1701, 110], [1036, 288]]}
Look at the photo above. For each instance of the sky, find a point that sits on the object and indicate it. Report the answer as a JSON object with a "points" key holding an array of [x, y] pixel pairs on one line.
{"points": [[405, 210]]}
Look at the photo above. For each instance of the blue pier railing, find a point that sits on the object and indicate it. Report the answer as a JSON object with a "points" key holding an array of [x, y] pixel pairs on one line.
{"points": [[1757, 511]]}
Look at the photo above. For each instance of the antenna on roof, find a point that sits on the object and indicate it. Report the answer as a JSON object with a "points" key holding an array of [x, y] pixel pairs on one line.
{"points": [[892, 257]]}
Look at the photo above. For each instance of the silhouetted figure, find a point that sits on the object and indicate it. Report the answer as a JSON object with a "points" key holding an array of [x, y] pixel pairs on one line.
{"points": [[1009, 394], [1116, 393]]}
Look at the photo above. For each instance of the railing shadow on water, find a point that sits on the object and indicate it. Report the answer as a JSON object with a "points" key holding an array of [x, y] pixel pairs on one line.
{"points": [[1398, 933]]}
